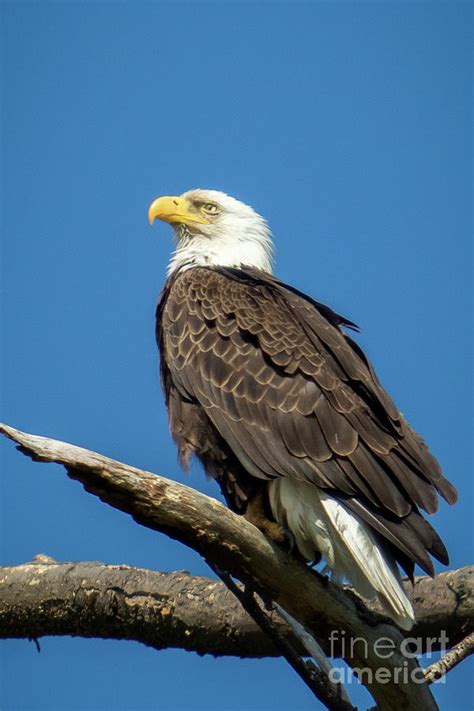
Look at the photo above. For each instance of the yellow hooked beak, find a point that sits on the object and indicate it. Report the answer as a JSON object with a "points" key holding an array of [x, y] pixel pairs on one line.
{"points": [[175, 209]]}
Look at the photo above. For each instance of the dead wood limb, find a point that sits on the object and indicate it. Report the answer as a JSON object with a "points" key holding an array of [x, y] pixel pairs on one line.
{"points": [[451, 659], [161, 610], [179, 610], [233, 544], [331, 694]]}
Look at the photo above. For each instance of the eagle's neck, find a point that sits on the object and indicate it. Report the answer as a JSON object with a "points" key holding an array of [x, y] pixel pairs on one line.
{"points": [[251, 248]]}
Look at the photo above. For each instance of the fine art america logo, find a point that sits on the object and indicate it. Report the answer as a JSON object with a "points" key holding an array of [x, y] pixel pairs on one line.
{"points": [[399, 670]]}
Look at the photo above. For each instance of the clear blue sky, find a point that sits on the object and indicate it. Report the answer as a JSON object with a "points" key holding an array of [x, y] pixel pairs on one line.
{"points": [[348, 126]]}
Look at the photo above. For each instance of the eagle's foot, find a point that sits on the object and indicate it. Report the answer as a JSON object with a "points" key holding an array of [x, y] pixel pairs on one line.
{"points": [[256, 513]]}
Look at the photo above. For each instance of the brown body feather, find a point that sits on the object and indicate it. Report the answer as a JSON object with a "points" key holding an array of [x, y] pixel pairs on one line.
{"points": [[261, 382]]}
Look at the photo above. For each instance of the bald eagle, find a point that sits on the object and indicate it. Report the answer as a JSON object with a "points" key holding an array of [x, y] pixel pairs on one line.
{"points": [[264, 385]]}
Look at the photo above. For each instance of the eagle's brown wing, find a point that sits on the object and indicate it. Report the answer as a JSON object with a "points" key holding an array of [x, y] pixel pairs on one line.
{"points": [[293, 396]]}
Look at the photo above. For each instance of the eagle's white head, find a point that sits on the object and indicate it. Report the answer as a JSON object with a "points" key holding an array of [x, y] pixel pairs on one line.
{"points": [[214, 229]]}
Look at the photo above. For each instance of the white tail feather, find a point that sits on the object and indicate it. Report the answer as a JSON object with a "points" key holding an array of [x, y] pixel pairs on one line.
{"points": [[352, 551]]}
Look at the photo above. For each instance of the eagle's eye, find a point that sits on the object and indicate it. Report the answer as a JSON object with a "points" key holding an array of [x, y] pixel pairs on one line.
{"points": [[210, 208]]}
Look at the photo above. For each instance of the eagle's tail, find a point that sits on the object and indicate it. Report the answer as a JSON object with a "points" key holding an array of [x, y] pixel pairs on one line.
{"points": [[353, 552]]}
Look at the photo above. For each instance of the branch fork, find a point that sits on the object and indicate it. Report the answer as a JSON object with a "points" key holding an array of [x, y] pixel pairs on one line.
{"points": [[229, 542]]}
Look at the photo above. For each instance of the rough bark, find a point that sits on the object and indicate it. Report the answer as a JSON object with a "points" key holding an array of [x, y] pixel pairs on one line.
{"points": [[451, 659], [179, 610], [233, 544], [115, 601]]}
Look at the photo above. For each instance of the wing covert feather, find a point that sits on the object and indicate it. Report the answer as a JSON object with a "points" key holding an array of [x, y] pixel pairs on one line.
{"points": [[293, 396]]}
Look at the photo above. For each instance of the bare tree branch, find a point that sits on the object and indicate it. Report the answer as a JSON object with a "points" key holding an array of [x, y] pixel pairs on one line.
{"points": [[233, 544], [331, 694], [178, 610], [451, 659], [161, 610]]}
